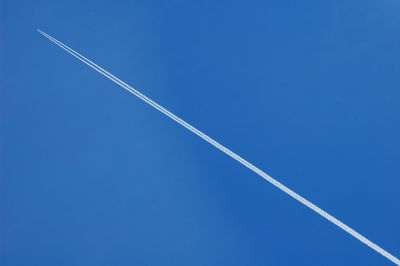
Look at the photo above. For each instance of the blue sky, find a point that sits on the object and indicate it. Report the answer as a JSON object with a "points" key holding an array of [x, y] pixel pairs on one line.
{"points": [[307, 91]]}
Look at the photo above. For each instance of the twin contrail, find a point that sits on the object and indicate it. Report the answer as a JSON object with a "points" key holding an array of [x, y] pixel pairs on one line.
{"points": [[226, 151]]}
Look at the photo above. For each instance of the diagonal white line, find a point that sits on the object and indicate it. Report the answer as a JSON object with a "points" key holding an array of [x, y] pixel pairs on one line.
{"points": [[226, 151]]}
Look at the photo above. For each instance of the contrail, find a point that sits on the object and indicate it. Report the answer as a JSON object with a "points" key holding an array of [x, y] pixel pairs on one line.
{"points": [[226, 151]]}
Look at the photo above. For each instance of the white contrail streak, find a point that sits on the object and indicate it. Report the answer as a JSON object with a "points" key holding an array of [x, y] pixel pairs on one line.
{"points": [[226, 151]]}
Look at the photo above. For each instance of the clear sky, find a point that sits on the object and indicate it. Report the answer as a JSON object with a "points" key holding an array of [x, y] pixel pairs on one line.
{"points": [[308, 91]]}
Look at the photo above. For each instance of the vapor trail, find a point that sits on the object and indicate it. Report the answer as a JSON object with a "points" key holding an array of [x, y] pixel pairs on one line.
{"points": [[226, 151]]}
